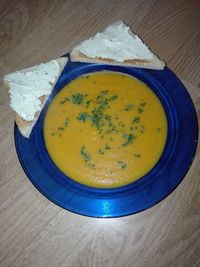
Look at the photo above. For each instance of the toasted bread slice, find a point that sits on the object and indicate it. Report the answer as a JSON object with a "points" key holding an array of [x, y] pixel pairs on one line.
{"points": [[29, 90], [116, 45]]}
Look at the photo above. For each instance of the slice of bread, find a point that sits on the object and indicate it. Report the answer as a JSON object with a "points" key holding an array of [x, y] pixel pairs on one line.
{"points": [[29, 90], [117, 45]]}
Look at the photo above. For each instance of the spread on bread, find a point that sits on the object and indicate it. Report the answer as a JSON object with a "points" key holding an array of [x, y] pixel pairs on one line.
{"points": [[27, 86], [29, 90], [117, 45]]}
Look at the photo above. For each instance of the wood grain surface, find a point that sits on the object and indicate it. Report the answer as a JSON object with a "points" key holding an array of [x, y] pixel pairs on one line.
{"points": [[34, 231]]}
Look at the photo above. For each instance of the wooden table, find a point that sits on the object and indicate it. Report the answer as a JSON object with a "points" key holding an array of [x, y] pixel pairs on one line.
{"points": [[36, 232]]}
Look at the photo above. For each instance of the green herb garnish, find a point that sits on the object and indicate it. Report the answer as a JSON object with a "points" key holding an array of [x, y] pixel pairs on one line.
{"points": [[116, 116], [83, 116], [122, 164], [101, 152], [142, 129], [113, 97], [107, 146], [121, 124], [141, 107], [103, 104], [136, 120], [129, 139], [108, 117], [129, 107], [91, 165], [61, 128], [140, 110], [64, 101], [96, 117], [142, 104], [88, 103], [137, 155], [66, 122], [85, 154], [77, 99]]}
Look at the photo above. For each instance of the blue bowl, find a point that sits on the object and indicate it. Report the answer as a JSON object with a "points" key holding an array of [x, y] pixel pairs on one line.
{"points": [[144, 193]]}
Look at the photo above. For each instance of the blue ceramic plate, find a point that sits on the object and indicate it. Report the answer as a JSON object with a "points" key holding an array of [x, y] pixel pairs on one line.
{"points": [[145, 192]]}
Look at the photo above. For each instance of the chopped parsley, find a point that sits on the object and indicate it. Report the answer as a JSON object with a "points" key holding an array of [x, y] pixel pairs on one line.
{"points": [[64, 100], [116, 116], [108, 117], [96, 117], [137, 155], [66, 122], [92, 165], [121, 124], [140, 110], [107, 146], [113, 97], [88, 103], [104, 122], [101, 152], [129, 107], [102, 94], [129, 139], [86, 157], [141, 107], [122, 164], [61, 128], [136, 120], [77, 99], [143, 104], [84, 116], [85, 154], [103, 104], [142, 129]]}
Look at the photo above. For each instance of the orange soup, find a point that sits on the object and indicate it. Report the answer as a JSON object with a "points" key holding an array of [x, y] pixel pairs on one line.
{"points": [[105, 129]]}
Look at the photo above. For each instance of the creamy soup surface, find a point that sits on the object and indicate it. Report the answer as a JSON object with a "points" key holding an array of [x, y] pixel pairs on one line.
{"points": [[105, 129]]}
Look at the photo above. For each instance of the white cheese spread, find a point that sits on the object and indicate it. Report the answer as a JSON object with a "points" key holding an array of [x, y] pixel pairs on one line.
{"points": [[26, 86], [116, 43]]}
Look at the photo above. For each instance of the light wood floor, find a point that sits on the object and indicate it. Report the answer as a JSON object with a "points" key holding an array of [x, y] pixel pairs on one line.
{"points": [[33, 231]]}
